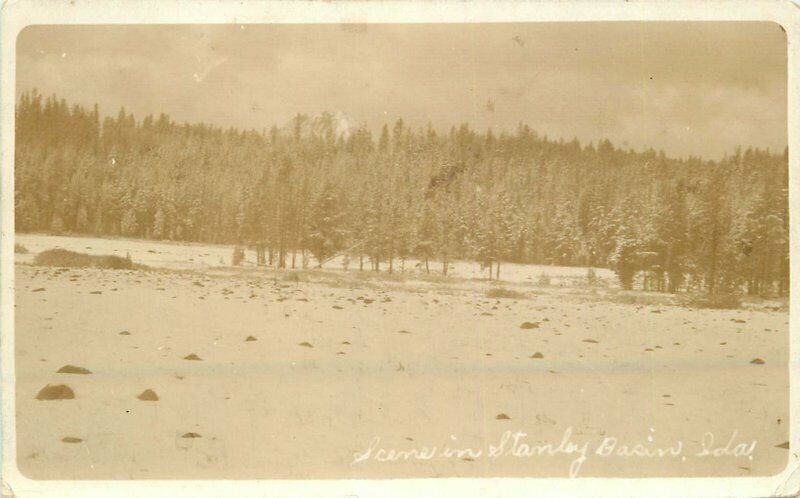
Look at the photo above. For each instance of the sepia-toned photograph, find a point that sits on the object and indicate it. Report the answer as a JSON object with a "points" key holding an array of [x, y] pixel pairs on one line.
{"points": [[401, 251]]}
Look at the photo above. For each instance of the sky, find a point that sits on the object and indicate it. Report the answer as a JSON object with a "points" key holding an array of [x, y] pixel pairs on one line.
{"points": [[700, 88]]}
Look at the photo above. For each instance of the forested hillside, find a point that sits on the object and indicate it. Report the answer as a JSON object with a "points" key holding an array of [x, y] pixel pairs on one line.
{"points": [[309, 188]]}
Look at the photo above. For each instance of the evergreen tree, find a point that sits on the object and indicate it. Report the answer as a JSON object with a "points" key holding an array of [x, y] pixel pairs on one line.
{"points": [[325, 228]]}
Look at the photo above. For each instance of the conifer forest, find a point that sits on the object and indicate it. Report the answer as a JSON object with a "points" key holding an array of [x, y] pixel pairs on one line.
{"points": [[308, 190]]}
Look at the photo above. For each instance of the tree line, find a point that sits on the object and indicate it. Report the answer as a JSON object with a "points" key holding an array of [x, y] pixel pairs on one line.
{"points": [[311, 189]]}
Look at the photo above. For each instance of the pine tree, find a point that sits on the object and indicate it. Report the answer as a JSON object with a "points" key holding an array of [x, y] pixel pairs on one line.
{"points": [[325, 229]]}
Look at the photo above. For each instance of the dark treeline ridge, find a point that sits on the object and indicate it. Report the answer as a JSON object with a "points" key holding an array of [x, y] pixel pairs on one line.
{"points": [[671, 225]]}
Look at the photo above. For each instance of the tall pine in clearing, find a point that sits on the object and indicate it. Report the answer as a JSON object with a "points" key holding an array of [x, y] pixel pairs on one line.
{"points": [[310, 190]]}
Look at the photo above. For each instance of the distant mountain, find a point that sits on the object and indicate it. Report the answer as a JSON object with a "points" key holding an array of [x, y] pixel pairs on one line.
{"points": [[325, 124]]}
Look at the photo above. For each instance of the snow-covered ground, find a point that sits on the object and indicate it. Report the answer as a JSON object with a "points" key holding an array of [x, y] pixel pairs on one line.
{"points": [[331, 367], [198, 257], [151, 253]]}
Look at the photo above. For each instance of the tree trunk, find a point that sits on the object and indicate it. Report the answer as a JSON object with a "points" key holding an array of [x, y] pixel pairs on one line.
{"points": [[497, 271], [713, 271]]}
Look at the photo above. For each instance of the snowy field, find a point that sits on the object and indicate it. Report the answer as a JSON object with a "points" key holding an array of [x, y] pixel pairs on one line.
{"points": [[200, 257], [304, 378]]}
